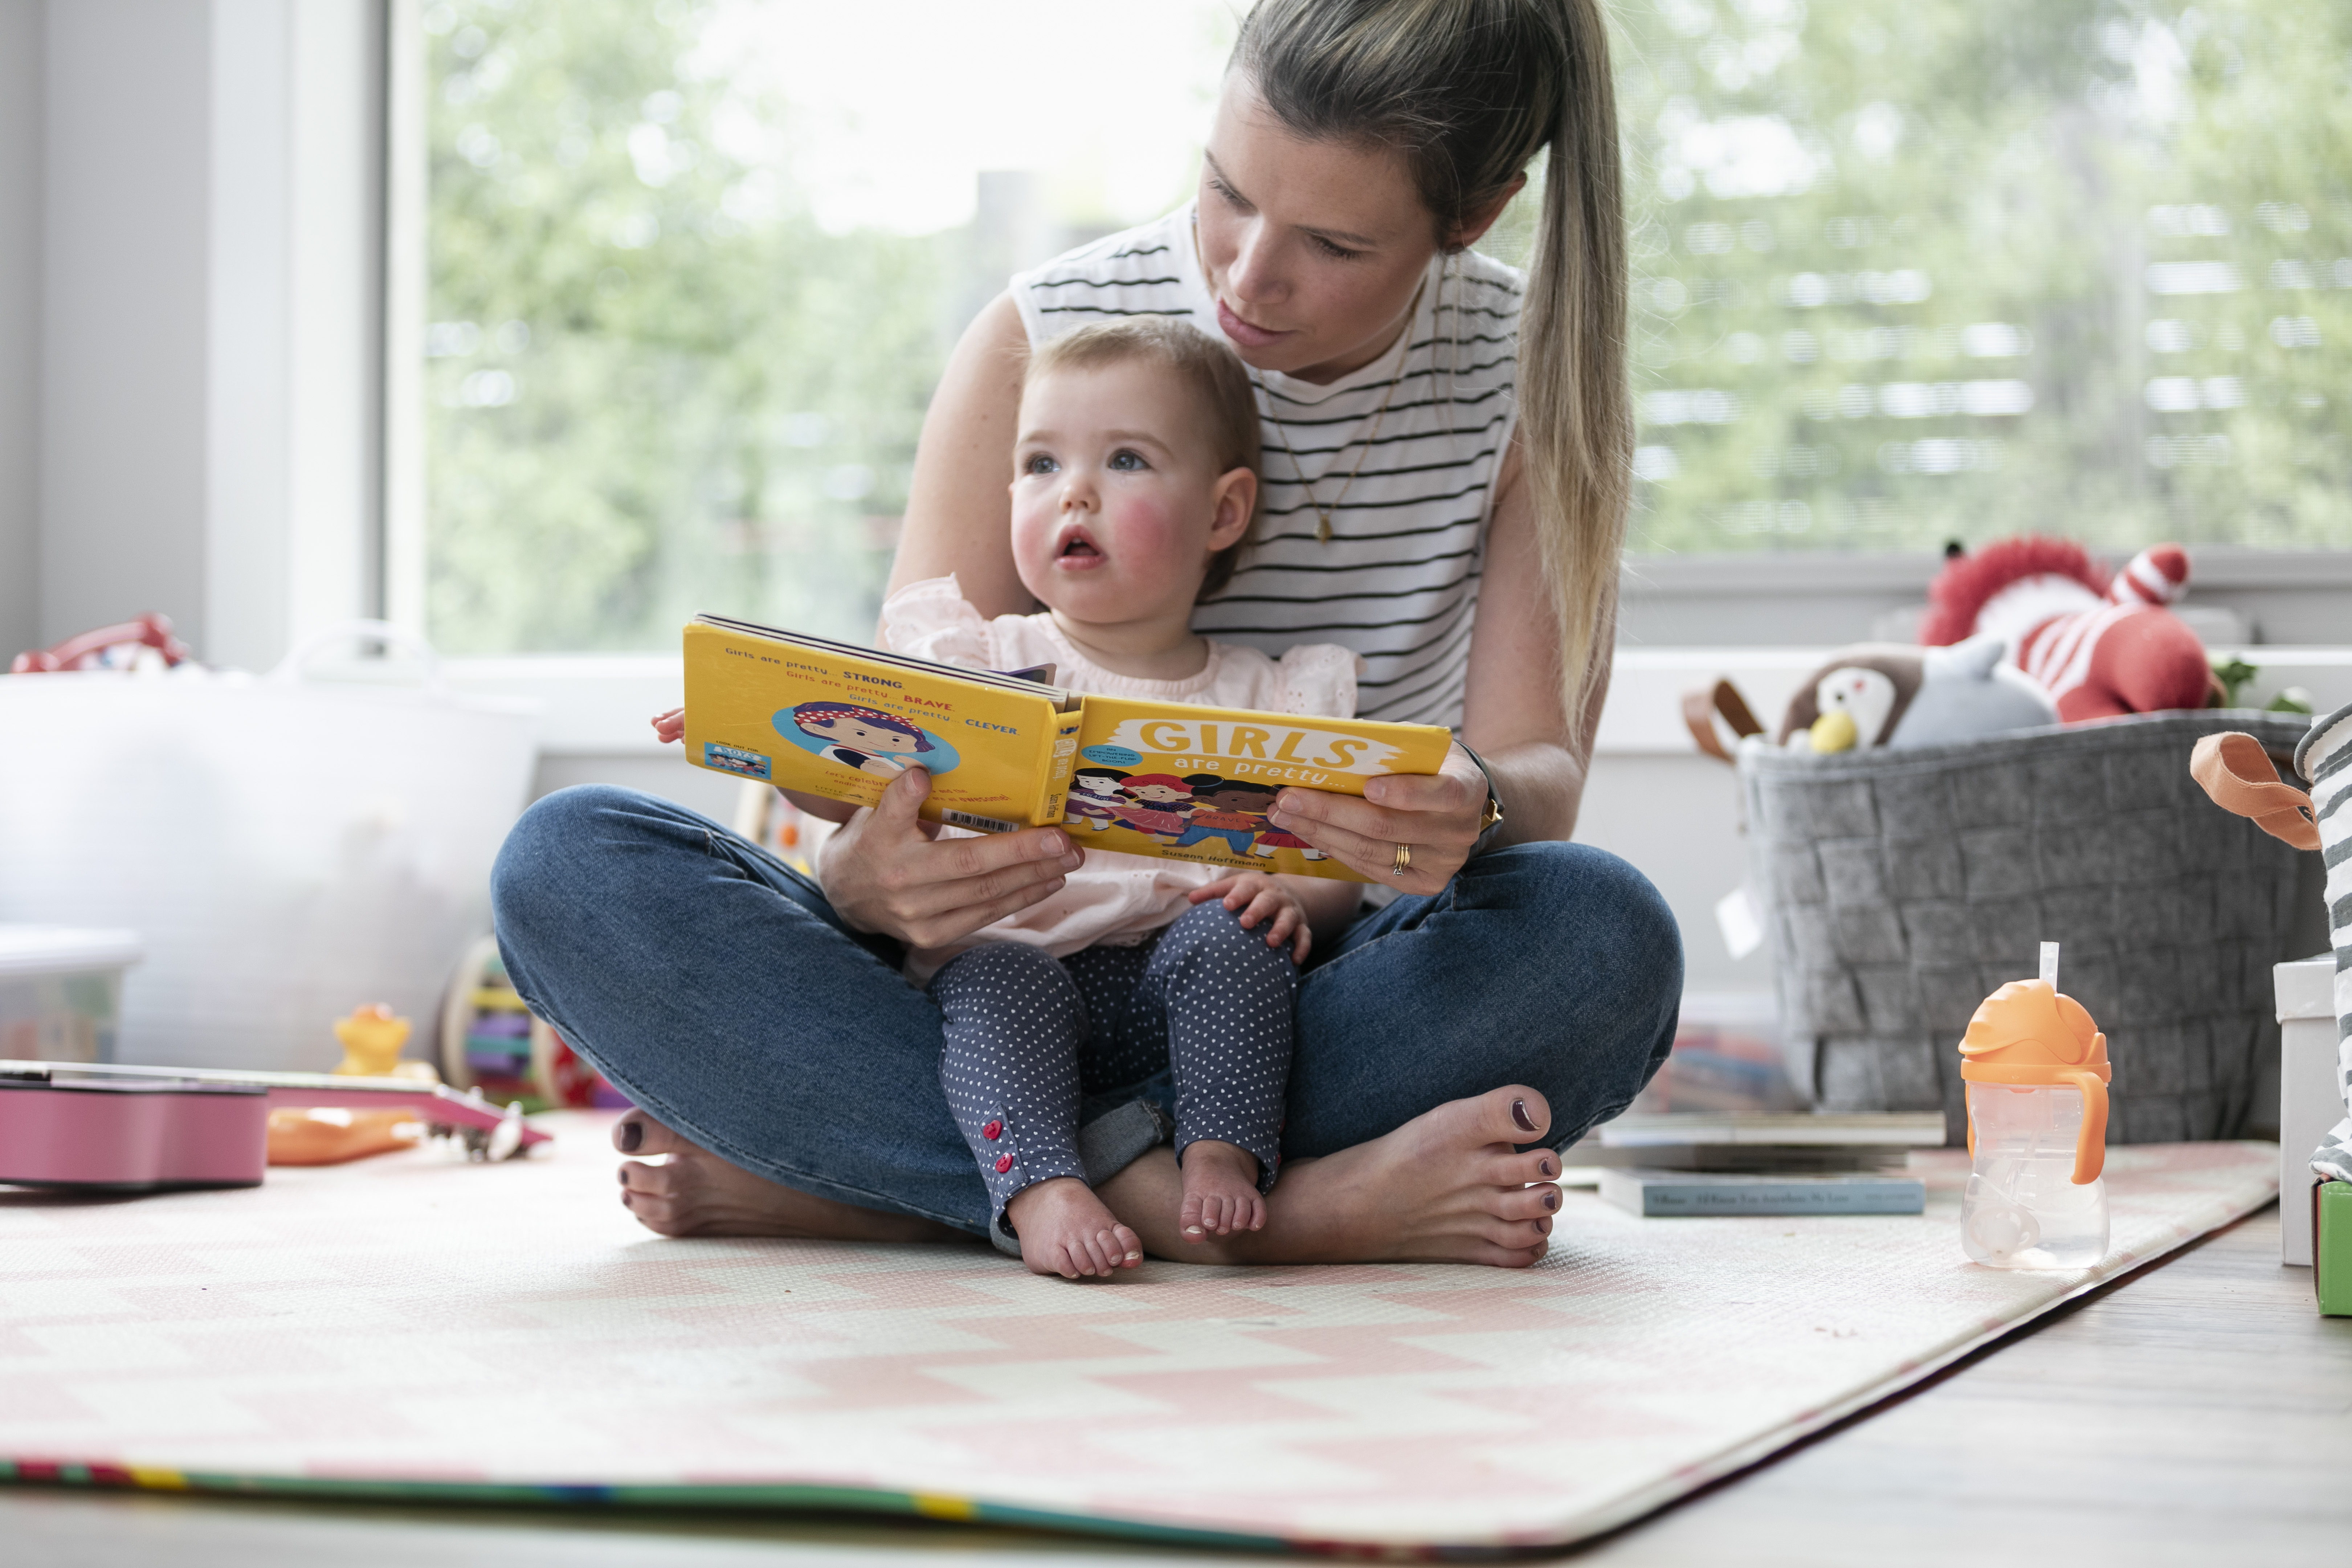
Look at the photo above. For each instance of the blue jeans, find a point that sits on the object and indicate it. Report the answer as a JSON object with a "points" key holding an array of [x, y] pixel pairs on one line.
{"points": [[714, 986]]}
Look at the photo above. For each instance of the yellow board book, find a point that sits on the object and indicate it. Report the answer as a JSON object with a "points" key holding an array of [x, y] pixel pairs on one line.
{"points": [[1007, 751]]}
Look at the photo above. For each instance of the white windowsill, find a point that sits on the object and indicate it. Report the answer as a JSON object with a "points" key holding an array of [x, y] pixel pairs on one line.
{"points": [[1644, 717], [591, 705], [600, 704], [1764, 573]]}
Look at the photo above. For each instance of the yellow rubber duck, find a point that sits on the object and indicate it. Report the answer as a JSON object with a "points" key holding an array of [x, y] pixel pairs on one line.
{"points": [[372, 1040]]}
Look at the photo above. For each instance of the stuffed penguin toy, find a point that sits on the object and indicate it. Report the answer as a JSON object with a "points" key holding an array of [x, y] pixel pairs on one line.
{"points": [[1883, 694]]}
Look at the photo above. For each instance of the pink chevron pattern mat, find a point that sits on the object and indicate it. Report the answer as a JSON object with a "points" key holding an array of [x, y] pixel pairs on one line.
{"points": [[406, 1326]]}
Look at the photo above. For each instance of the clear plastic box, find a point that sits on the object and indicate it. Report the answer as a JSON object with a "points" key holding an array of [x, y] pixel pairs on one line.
{"points": [[61, 992]]}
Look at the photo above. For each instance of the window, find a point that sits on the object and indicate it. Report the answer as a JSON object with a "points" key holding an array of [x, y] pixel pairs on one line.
{"points": [[1905, 272], [1956, 268], [693, 270]]}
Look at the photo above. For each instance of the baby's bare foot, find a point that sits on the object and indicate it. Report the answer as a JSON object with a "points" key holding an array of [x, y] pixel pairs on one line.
{"points": [[1221, 1194], [1065, 1229]]}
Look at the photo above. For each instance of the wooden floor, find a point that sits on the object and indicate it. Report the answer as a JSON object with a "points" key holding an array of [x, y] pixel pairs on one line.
{"points": [[2199, 1412]]}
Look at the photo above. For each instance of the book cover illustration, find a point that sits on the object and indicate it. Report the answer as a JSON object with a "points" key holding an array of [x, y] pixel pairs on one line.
{"points": [[1158, 779], [1195, 784], [827, 719]]}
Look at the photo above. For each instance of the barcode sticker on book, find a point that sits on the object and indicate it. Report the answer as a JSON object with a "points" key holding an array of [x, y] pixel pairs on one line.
{"points": [[985, 823]]}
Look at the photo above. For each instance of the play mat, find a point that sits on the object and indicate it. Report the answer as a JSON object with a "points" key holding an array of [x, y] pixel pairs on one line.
{"points": [[409, 1326]]}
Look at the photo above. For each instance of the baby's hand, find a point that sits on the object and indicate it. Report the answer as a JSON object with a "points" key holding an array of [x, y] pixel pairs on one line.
{"points": [[1260, 897], [669, 726]]}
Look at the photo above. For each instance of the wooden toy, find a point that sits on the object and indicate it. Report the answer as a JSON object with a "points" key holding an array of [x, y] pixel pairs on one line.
{"points": [[491, 1043]]}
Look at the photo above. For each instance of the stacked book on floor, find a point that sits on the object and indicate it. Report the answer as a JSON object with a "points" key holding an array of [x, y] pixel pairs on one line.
{"points": [[1697, 1164]]}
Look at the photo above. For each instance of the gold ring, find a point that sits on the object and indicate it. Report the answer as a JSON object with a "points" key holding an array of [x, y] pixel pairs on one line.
{"points": [[1403, 861]]}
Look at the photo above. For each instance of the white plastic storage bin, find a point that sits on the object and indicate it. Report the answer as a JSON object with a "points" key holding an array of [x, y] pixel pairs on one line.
{"points": [[288, 848], [2309, 1103], [61, 992]]}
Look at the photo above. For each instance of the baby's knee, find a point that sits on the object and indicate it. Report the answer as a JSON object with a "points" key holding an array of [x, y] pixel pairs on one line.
{"points": [[1000, 971], [1209, 932]]}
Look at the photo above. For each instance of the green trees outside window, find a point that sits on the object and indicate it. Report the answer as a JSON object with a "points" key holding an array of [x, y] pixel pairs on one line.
{"points": [[1956, 269], [1905, 273]]}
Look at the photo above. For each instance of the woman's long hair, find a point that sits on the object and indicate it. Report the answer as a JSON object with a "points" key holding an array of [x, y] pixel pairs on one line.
{"points": [[1467, 92]]}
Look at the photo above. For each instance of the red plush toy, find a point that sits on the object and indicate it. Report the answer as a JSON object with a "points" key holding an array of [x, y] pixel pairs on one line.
{"points": [[2099, 646]]}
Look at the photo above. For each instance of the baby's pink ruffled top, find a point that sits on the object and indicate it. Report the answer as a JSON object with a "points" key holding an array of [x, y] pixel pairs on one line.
{"points": [[1113, 899]]}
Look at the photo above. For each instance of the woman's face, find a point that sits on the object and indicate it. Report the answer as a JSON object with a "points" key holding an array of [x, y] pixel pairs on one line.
{"points": [[1313, 250]]}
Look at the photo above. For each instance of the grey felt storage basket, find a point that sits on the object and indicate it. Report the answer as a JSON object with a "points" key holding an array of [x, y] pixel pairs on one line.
{"points": [[1903, 887]]}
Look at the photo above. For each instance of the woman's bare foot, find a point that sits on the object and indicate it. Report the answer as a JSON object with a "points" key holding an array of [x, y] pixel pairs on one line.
{"points": [[695, 1193], [1221, 1194], [1065, 1230], [1445, 1187]]}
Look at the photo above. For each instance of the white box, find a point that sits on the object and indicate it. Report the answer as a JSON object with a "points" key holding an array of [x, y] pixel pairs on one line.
{"points": [[2309, 1101], [61, 992]]}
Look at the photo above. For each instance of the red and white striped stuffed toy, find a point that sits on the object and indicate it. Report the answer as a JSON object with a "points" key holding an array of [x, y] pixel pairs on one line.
{"points": [[2099, 646]]}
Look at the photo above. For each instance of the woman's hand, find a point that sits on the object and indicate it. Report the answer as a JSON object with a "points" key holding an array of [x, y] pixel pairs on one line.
{"points": [[1436, 816], [885, 872], [1263, 897]]}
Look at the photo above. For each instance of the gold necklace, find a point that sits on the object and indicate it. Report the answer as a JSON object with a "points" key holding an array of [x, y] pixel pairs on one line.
{"points": [[1322, 513]]}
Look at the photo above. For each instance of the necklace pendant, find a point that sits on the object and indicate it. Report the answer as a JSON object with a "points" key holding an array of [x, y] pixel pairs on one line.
{"points": [[1322, 526]]}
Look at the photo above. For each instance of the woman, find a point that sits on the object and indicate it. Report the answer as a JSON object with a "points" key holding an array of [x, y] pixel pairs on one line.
{"points": [[1446, 481]]}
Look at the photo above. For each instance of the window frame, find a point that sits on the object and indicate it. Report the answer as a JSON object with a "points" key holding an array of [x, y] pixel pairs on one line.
{"points": [[1766, 616]]}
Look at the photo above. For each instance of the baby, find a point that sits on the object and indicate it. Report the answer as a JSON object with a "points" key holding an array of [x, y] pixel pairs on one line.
{"points": [[1134, 487]]}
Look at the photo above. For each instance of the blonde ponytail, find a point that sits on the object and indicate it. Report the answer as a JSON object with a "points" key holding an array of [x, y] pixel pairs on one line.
{"points": [[1467, 92], [1575, 410]]}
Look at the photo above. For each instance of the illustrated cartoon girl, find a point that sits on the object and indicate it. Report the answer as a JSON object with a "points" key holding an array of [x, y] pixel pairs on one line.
{"points": [[1095, 798], [1270, 840], [865, 738], [1160, 802], [1229, 809]]}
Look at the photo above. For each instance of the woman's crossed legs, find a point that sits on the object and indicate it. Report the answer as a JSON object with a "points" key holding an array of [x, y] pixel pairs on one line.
{"points": [[1445, 1049]]}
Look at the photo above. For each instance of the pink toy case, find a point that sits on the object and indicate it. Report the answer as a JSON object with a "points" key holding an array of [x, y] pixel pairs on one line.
{"points": [[79, 1127]]}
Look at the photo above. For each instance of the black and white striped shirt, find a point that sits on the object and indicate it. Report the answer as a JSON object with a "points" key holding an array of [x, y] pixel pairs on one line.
{"points": [[1398, 582]]}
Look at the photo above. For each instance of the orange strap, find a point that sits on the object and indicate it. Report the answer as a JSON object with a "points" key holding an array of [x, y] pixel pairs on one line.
{"points": [[1699, 709], [2237, 772]]}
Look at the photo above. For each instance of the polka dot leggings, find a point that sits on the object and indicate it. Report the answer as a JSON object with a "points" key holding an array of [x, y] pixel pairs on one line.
{"points": [[1027, 1034]]}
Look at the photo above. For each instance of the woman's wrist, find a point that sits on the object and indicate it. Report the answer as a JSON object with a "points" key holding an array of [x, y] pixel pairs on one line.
{"points": [[1490, 821]]}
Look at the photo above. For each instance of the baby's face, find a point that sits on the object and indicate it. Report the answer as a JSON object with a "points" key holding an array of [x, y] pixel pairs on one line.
{"points": [[1117, 503]]}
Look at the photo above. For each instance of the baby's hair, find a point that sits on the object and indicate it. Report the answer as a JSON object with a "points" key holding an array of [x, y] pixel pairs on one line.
{"points": [[1211, 372], [809, 713]]}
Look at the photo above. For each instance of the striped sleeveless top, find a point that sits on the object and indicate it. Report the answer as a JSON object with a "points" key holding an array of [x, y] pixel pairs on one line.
{"points": [[1398, 580]]}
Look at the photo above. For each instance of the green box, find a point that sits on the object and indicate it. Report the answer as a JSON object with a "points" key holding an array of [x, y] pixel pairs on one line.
{"points": [[2331, 1255]]}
